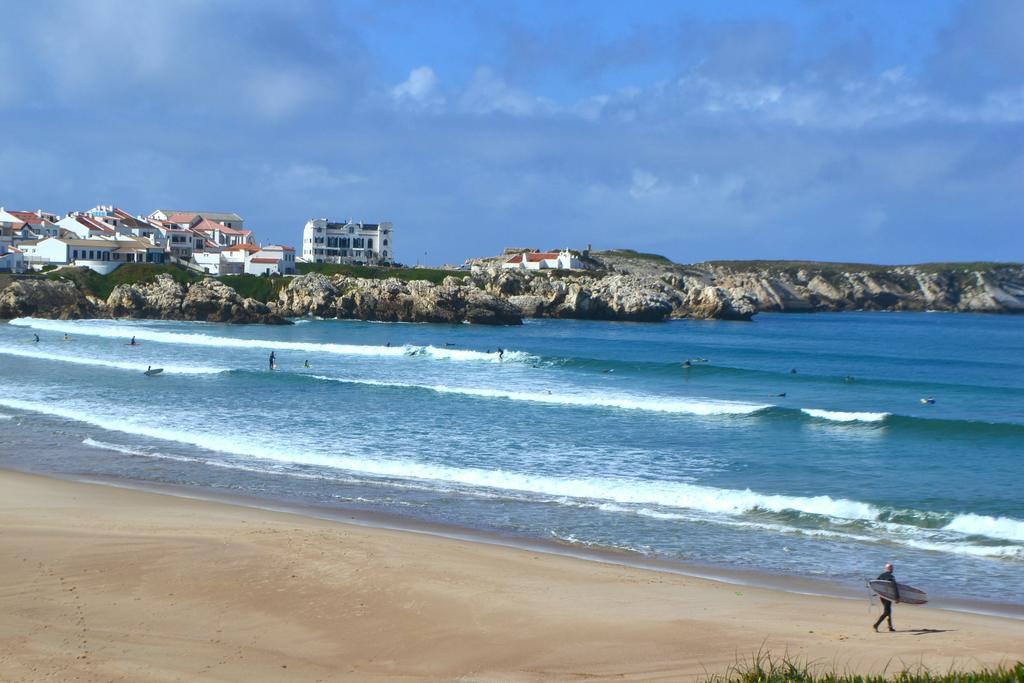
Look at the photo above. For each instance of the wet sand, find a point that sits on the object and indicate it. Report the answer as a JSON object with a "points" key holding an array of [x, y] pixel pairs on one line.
{"points": [[102, 583]]}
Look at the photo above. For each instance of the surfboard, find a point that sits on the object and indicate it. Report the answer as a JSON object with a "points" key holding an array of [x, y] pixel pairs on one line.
{"points": [[153, 371], [130, 344], [908, 594]]}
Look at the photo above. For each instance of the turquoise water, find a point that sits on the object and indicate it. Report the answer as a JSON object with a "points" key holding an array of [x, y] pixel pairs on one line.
{"points": [[589, 433]]}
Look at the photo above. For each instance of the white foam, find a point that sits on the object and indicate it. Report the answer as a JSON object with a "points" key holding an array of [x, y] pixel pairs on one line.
{"points": [[122, 331], [112, 447], [5, 417], [662, 494], [119, 365], [841, 416], [983, 525], [698, 406]]}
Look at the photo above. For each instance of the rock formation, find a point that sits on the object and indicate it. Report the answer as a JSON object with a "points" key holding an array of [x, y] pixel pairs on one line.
{"points": [[46, 299], [393, 300], [208, 300], [620, 286]]}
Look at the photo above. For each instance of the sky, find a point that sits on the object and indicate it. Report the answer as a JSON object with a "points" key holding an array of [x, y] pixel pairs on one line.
{"points": [[868, 131]]}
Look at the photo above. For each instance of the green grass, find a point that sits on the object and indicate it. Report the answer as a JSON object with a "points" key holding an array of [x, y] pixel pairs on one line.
{"points": [[764, 668], [434, 275], [260, 288], [252, 287]]}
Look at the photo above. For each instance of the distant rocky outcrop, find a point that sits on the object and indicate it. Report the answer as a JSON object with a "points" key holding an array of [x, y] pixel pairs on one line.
{"points": [[393, 300], [785, 287]]}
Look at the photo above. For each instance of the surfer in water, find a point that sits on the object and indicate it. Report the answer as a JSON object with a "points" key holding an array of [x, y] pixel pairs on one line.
{"points": [[36, 340], [887, 604], [501, 353], [273, 361], [306, 364], [133, 342]]}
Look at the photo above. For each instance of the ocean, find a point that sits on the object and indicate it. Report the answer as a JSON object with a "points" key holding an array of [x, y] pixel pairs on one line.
{"points": [[793, 446]]}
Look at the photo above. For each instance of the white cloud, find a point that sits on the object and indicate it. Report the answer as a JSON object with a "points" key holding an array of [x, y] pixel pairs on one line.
{"points": [[421, 86], [488, 93], [644, 184]]}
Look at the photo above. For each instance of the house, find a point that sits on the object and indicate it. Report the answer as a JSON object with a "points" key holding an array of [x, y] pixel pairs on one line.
{"points": [[220, 234], [16, 226], [272, 259], [210, 260], [12, 259], [236, 258], [544, 260], [179, 242], [349, 242], [83, 226], [185, 218], [101, 255]]}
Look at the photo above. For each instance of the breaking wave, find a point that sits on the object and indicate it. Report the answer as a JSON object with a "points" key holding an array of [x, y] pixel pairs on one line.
{"points": [[841, 416], [118, 365], [116, 331], [700, 406], [665, 500]]}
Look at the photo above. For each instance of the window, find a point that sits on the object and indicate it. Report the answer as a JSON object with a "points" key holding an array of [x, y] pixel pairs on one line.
{"points": [[385, 242], [369, 243]]}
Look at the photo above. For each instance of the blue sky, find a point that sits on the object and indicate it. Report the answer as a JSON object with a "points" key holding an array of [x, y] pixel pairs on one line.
{"points": [[854, 131]]}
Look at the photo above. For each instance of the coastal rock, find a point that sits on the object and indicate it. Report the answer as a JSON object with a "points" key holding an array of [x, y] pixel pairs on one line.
{"points": [[166, 299], [312, 294], [394, 300], [161, 299], [45, 298], [213, 301]]}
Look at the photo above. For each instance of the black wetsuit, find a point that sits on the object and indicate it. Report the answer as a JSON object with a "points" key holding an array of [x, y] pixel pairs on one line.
{"points": [[887, 604]]}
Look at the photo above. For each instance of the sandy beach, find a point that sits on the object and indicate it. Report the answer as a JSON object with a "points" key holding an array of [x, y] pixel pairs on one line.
{"points": [[111, 584]]}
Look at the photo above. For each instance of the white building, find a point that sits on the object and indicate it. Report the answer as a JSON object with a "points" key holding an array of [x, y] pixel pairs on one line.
{"points": [[101, 255], [12, 259], [350, 242], [272, 259], [544, 260], [185, 218]]}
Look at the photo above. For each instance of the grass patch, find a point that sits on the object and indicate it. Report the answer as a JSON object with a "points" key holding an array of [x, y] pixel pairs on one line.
{"points": [[263, 289], [435, 275], [764, 668]]}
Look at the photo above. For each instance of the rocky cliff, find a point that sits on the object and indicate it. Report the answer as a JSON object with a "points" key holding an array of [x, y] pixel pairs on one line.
{"points": [[798, 287], [392, 300], [163, 299], [625, 285], [621, 285], [208, 300]]}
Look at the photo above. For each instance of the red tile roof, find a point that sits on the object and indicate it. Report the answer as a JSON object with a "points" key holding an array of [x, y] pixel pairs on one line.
{"points": [[26, 217], [206, 225], [245, 246], [264, 260]]}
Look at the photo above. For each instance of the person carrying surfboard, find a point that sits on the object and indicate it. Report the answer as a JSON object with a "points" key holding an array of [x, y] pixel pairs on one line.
{"points": [[887, 604]]}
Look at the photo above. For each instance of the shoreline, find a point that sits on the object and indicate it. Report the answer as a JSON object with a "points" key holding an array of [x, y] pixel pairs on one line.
{"points": [[105, 582], [796, 585]]}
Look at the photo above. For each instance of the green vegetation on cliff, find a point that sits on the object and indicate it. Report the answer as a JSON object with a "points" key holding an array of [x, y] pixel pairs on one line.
{"points": [[434, 275]]}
